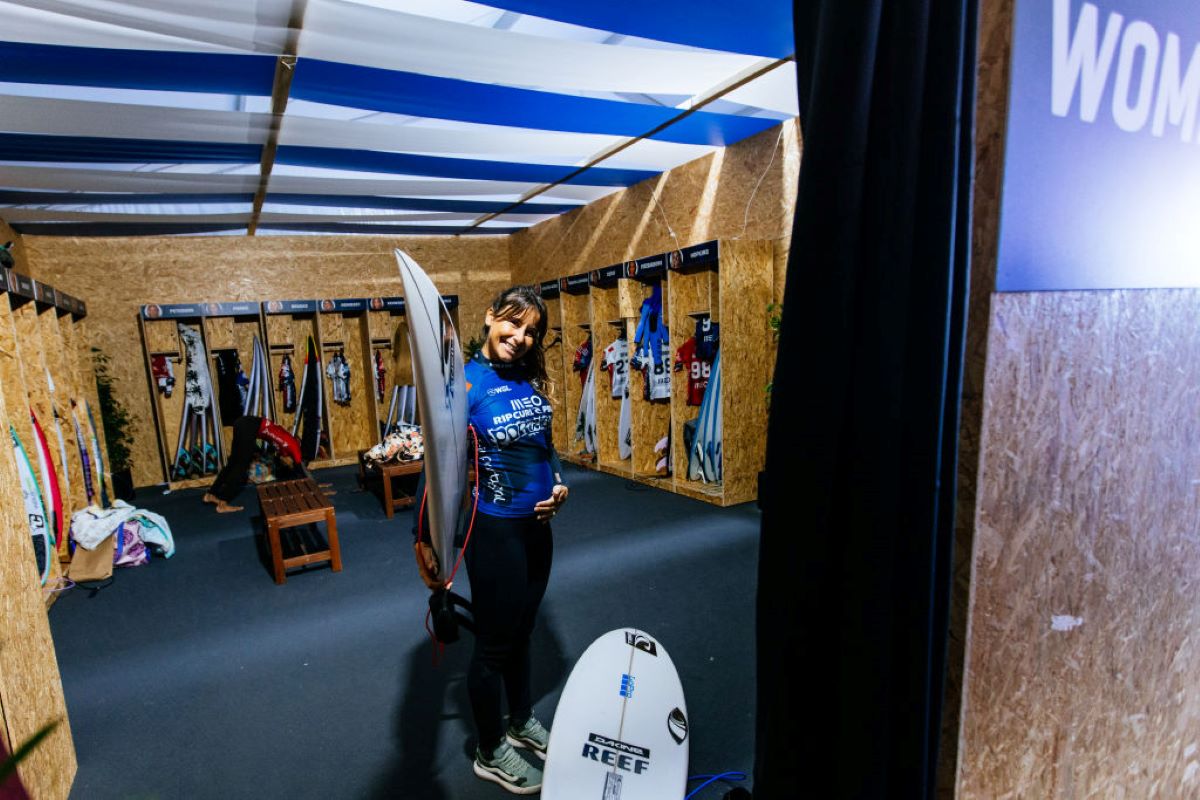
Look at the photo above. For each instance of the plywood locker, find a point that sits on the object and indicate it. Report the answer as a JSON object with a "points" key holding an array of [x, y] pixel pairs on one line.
{"points": [[557, 370], [609, 326], [230, 334], [388, 329], [651, 417], [288, 325], [350, 401], [735, 277], [192, 456], [576, 331]]}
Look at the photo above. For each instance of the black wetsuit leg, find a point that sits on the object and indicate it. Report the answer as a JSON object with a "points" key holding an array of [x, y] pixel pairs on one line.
{"points": [[508, 561]]}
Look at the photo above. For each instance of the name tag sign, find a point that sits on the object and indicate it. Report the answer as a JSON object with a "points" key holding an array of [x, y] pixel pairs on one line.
{"points": [[1102, 162]]}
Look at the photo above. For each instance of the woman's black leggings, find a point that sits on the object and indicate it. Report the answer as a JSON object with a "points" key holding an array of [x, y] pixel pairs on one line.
{"points": [[508, 562]]}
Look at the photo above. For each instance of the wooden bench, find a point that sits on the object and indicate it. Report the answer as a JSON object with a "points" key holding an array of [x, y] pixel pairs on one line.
{"points": [[286, 504], [392, 500]]}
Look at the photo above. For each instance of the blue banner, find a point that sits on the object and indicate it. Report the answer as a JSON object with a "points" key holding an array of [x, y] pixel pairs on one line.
{"points": [[21, 285], [607, 276], [575, 284], [289, 306], [392, 304], [45, 293], [1102, 161]]}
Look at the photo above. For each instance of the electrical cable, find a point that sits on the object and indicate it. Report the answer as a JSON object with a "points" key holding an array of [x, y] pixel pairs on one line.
{"points": [[746, 216], [727, 777]]}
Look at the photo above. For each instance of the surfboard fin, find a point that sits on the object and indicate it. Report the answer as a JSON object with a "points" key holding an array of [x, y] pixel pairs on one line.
{"points": [[446, 619]]}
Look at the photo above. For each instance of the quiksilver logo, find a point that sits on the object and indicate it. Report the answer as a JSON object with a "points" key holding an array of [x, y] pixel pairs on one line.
{"points": [[677, 725], [641, 642]]}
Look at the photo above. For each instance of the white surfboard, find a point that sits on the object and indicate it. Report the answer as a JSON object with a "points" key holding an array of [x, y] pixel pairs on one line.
{"points": [[442, 397], [621, 728], [35, 510]]}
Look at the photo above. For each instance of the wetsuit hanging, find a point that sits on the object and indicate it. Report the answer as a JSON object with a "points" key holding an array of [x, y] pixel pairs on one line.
{"points": [[287, 385]]}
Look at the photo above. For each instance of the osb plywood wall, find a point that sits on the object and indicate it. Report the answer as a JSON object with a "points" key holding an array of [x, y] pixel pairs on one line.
{"points": [[992, 69], [116, 276], [745, 191], [1083, 658], [31, 693]]}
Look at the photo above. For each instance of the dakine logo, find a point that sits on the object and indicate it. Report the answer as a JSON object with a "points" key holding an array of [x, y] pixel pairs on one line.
{"points": [[626, 686], [641, 642], [677, 726], [615, 753]]}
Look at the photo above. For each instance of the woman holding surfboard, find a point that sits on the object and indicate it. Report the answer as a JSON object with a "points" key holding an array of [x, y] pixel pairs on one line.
{"points": [[510, 549]]}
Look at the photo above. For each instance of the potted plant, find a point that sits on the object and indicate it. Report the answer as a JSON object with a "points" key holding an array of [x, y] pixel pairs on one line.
{"points": [[117, 423]]}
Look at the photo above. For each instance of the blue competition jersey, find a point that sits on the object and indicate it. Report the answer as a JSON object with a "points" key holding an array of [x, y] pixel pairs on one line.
{"points": [[516, 452]]}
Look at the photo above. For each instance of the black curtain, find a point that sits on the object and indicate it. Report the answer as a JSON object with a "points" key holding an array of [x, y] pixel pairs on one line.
{"points": [[858, 493]]}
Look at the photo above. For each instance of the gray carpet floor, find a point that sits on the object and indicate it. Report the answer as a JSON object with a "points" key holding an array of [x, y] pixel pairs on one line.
{"points": [[198, 677]]}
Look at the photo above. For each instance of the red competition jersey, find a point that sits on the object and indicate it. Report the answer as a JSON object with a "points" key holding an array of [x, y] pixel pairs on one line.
{"points": [[279, 438], [697, 370]]}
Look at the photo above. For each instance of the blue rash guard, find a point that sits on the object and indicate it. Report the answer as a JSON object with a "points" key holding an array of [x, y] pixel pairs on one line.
{"points": [[517, 461]]}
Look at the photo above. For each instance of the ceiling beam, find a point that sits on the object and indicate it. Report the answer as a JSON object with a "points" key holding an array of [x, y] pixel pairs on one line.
{"points": [[736, 82], [285, 68]]}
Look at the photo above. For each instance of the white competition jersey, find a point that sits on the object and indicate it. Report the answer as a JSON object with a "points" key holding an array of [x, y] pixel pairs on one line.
{"points": [[658, 376], [616, 361]]}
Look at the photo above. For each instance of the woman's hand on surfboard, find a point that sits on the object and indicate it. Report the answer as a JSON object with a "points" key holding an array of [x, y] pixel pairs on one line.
{"points": [[427, 565], [549, 507]]}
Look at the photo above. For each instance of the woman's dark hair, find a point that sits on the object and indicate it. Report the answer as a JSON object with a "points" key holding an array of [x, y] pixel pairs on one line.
{"points": [[513, 303]]}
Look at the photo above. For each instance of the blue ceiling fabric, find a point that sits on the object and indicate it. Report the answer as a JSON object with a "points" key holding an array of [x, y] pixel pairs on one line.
{"points": [[473, 168], [467, 101], [753, 27], [102, 150], [63, 65], [402, 117]]}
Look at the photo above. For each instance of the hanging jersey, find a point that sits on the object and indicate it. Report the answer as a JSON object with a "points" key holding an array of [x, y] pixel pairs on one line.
{"points": [[708, 339], [616, 361], [657, 375], [516, 452], [697, 371], [583, 359]]}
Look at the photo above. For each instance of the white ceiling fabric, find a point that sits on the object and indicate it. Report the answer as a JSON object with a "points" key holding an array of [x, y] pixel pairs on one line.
{"points": [[69, 117], [352, 33], [181, 25], [438, 113]]}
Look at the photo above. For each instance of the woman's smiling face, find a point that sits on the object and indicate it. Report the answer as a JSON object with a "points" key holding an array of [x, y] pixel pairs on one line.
{"points": [[509, 337]]}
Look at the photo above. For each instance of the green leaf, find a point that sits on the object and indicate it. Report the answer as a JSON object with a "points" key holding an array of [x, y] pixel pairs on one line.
{"points": [[10, 764]]}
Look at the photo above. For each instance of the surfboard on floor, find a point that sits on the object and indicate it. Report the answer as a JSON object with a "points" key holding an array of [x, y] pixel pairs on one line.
{"points": [[442, 395], [621, 728]]}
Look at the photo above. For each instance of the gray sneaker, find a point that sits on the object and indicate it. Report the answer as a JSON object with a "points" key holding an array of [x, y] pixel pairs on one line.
{"points": [[507, 768], [531, 736]]}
